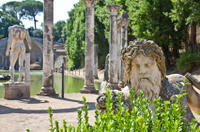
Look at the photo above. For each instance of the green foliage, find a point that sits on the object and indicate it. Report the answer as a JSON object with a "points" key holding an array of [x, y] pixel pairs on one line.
{"points": [[102, 27], [167, 117], [7, 18], [12, 6], [58, 31], [187, 61], [185, 12], [51, 129], [37, 33], [29, 9], [74, 31], [75, 35], [148, 20]]}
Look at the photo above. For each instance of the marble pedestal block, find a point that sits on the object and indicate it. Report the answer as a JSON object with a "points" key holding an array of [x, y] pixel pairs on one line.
{"points": [[16, 90]]}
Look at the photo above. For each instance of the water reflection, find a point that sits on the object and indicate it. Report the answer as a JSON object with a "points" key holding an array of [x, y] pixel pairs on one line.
{"points": [[72, 85]]}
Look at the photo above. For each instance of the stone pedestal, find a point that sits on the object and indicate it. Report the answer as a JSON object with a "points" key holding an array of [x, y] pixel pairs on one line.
{"points": [[16, 90], [89, 48]]}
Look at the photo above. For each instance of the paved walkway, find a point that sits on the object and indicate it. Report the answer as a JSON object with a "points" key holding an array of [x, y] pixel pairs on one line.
{"points": [[19, 115]]}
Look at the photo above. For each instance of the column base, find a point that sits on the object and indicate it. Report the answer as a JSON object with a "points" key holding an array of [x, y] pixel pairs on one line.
{"points": [[16, 90], [114, 86], [48, 91], [89, 89]]}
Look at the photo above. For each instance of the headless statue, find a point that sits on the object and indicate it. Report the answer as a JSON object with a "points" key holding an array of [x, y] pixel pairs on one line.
{"points": [[19, 44]]}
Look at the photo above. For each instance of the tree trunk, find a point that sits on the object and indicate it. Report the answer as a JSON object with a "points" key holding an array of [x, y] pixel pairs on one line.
{"points": [[167, 55], [192, 38], [175, 54], [35, 21]]}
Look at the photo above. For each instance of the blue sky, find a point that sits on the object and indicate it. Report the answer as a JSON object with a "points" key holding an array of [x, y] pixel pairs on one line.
{"points": [[61, 9]]}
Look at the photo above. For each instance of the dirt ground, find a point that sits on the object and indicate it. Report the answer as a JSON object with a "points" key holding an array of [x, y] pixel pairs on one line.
{"points": [[19, 115]]}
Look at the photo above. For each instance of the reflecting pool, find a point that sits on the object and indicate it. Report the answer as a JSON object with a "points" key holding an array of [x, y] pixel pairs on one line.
{"points": [[72, 84]]}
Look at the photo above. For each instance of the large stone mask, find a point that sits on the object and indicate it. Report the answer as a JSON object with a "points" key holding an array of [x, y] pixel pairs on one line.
{"points": [[144, 67]]}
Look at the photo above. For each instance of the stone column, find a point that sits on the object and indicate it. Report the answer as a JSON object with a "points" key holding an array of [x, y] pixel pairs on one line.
{"points": [[119, 35], [95, 61], [113, 67], [48, 54], [89, 49], [124, 21]]}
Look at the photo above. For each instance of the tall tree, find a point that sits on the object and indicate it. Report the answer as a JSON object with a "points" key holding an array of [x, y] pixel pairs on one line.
{"points": [[7, 18], [102, 28], [58, 29], [29, 9], [75, 36], [187, 13], [12, 6], [148, 21], [74, 31]]}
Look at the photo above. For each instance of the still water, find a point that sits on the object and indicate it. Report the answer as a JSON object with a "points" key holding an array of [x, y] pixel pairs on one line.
{"points": [[72, 85]]}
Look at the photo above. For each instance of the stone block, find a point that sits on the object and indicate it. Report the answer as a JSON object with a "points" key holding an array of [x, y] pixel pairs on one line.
{"points": [[16, 90]]}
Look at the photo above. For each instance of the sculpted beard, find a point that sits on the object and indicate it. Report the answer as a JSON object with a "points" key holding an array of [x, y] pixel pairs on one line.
{"points": [[149, 83]]}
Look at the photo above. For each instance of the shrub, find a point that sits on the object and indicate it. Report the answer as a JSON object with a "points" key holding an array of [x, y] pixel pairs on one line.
{"points": [[187, 61], [167, 117], [38, 33]]}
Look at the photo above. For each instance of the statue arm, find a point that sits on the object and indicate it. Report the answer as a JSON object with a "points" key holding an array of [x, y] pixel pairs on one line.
{"points": [[28, 40], [9, 43]]}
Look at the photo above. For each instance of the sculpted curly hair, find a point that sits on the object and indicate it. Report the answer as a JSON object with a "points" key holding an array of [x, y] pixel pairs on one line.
{"points": [[148, 48]]}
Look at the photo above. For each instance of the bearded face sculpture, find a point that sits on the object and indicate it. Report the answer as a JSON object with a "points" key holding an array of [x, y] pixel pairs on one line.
{"points": [[144, 67]]}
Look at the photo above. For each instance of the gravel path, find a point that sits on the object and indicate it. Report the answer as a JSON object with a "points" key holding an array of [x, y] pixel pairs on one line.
{"points": [[19, 115]]}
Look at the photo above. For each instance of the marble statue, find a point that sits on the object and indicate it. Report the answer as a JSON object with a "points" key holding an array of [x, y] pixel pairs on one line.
{"points": [[19, 44], [144, 69]]}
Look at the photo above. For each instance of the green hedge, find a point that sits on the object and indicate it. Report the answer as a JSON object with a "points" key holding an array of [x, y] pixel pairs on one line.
{"points": [[167, 117], [188, 61]]}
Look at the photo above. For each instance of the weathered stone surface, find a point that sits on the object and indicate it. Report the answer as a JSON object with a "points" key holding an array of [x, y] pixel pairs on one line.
{"points": [[123, 22], [193, 96], [144, 67], [16, 90], [95, 71], [18, 47], [48, 53], [173, 85], [101, 100], [89, 48], [106, 69], [113, 47]]}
